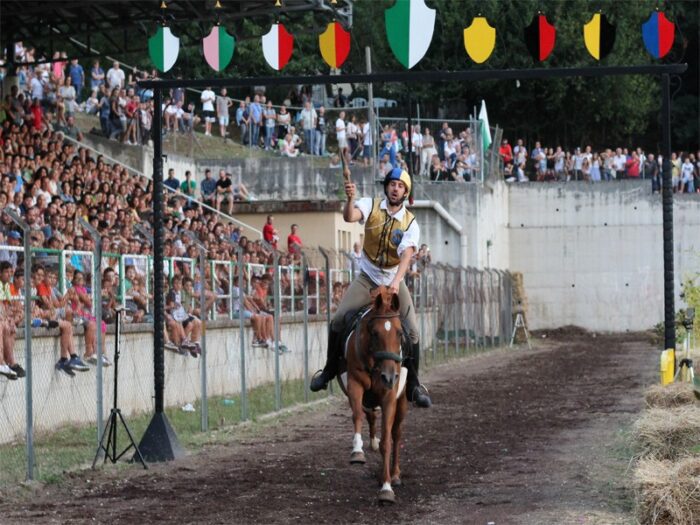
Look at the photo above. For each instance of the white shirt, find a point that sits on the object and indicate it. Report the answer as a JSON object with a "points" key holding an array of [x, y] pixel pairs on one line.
{"points": [[687, 171], [208, 97], [619, 162], [366, 134], [115, 78], [411, 238], [340, 128]]}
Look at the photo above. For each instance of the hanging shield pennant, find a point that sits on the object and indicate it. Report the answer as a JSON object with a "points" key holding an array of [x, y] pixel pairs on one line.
{"points": [[540, 37], [218, 48], [334, 43], [163, 48], [658, 33], [409, 29], [277, 46], [599, 36], [479, 40]]}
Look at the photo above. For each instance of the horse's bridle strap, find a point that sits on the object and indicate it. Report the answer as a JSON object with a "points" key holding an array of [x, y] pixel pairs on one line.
{"points": [[380, 356]]}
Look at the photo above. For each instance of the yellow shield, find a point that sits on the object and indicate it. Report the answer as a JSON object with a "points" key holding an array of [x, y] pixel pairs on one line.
{"points": [[479, 39]]}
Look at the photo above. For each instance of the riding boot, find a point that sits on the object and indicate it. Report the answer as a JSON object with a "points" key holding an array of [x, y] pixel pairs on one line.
{"points": [[320, 380], [416, 392]]}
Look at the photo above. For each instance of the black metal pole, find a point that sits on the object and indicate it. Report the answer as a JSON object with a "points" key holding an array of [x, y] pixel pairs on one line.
{"points": [[159, 443], [159, 303], [667, 200]]}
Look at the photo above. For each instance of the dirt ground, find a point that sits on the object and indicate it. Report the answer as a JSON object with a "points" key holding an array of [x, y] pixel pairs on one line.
{"points": [[519, 436]]}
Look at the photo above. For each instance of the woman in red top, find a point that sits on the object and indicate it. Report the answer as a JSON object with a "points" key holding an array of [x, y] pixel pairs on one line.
{"points": [[632, 166]]}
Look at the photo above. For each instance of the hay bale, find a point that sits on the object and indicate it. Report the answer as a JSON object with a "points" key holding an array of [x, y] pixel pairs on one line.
{"points": [[667, 433], [668, 396], [668, 493]]}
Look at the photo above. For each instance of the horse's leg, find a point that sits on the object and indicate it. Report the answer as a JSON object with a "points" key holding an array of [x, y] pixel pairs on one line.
{"points": [[355, 392], [373, 439], [401, 409], [386, 493]]}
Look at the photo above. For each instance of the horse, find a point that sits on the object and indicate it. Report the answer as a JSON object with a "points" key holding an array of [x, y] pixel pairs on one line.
{"points": [[372, 378]]}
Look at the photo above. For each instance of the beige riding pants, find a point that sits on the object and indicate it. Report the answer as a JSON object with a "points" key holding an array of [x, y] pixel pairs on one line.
{"points": [[358, 295]]}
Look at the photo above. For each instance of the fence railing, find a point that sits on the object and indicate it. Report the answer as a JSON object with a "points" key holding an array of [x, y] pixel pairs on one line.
{"points": [[459, 310]]}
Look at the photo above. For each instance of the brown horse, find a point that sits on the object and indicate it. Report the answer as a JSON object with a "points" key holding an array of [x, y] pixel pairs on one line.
{"points": [[374, 379]]}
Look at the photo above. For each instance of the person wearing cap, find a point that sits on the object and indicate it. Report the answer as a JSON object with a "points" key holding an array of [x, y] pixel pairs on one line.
{"points": [[13, 239], [392, 236]]}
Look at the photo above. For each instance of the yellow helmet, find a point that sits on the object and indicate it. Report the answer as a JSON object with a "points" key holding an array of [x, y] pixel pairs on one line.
{"points": [[398, 174]]}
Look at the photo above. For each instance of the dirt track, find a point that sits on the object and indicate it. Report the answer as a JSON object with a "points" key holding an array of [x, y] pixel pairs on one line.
{"points": [[515, 437]]}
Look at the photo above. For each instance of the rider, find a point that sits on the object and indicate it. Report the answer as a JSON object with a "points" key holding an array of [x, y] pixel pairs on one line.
{"points": [[392, 236]]}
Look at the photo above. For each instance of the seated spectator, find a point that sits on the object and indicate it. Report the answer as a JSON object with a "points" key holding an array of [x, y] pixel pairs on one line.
{"points": [[289, 149], [9, 317], [224, 191], [262, 322], [191, 325], [208, 189], [79, 302]]}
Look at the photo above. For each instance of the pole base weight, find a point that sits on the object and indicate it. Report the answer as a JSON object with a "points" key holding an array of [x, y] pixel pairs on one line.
{"points": [[160, 443]]}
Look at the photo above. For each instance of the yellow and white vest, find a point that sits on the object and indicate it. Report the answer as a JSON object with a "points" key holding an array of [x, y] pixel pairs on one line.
{"points": [[383, 234]]}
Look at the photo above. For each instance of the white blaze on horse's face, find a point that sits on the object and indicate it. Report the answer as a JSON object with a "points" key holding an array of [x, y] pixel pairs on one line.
{"points": [[387, 326]]}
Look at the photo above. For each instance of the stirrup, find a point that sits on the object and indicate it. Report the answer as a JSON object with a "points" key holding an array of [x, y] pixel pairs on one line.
{"points": [[315, 384], [420, 396]]}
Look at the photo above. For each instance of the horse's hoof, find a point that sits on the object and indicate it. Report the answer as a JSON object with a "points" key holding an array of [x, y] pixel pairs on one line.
{"points": [[374, 443], [357, 458], [386, 496], [396, 482]]}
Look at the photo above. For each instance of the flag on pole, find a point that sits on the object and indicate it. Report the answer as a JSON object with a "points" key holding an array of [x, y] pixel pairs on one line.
{"points": [[485, 129]]}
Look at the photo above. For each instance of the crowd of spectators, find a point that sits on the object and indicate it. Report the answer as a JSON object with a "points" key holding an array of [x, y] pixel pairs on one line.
{"points": [[556, 164]]}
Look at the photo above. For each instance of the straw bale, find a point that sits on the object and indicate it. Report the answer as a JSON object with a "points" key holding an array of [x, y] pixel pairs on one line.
{"points": [[667, 433], [671, 395], [667, 492]]}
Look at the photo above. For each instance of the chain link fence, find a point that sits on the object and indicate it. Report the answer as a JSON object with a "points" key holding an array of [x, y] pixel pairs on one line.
{"points": [[237, 377]]}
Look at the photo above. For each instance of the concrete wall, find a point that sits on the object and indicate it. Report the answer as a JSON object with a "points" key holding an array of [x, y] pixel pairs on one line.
{"points": [[592, 255], [60, 400]]}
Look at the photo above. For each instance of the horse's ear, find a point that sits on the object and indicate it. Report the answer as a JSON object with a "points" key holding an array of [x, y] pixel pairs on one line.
{"points": [[378, 301], [395, 302]]}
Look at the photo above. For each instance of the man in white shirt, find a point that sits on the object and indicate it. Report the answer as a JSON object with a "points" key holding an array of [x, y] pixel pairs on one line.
{"points": [[115, 77], [308, 123], [340, 135], [208, 97], [687, 182], [366, 131], [619, 161]]}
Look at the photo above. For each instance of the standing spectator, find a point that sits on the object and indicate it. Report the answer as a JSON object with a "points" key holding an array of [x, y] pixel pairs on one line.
{"points": [[619, 161], [356, 256], [208, 98], [675, 171], [270, 120], [208, 189], [270, 233], [256, 121], [308, 123], [351, 132], [341, 136], [687, 172], [506, 153], [243, 121], [172, 182], [132, 120], [321, 130], [223, 103], [340, 101], [76, 73], [366, 133], [115, 77], [632, 166], [651, 168], [284, 119], [97, 75], [294, 243]]}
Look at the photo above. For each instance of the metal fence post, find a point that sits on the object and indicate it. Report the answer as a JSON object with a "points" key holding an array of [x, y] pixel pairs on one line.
{"points": [[28, 397], [241, 334], [305, 291], [203, 318], [97, 301], [277, 313]]}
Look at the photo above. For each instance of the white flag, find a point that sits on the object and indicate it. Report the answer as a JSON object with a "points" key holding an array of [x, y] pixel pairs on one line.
{"points": [[485, 129]]}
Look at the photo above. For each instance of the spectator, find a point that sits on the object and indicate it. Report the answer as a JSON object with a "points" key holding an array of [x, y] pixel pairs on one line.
{"points": [[208, 98], [288, 147], [243, 121], [208, 189], [115, 77], [223, 103], [294, 244], [76, 74], [341, 135], [8, 319], [191, 325], [224, 191], [367, 141], [97, 76], [188, 186], [687, 176], [352, 134], [284, 119], [256, 121], [172, 182], [340, 100], [270, 233], [270, 116], [78, 300]]}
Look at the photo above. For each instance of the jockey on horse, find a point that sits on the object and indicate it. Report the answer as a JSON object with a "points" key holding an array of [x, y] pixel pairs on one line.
{"points": [[391, 238]]}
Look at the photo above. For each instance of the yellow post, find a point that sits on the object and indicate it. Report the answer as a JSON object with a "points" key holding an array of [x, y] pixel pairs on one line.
{"points": [[667, 366]]}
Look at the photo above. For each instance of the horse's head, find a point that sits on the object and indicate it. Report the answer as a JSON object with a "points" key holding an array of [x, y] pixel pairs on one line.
{"points": [[385, 335]]}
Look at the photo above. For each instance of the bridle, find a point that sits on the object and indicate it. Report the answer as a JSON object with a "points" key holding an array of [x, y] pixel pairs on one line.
{"points": [[382, 355]]}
